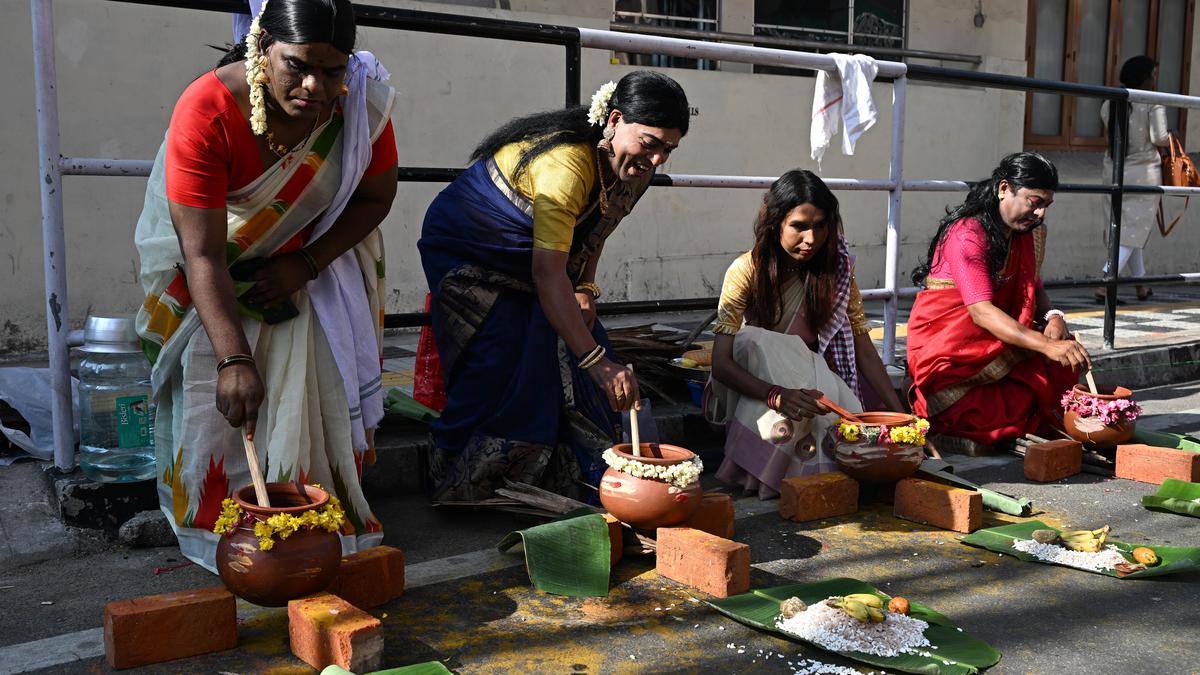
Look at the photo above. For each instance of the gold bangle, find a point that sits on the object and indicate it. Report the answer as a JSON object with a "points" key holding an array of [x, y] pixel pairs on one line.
{"points": [[234, 358], [592, 357], [589, 287]]}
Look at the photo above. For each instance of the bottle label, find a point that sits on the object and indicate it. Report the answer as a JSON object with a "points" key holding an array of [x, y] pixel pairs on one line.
{"points": [[133, 421]]}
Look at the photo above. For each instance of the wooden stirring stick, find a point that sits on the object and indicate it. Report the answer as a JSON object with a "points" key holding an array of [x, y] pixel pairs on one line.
{"points": [[634, 435], [1090, 380], [260, 486], [824, 400]]}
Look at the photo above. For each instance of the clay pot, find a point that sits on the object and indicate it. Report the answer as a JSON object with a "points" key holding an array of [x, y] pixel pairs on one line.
{"points": [[1090, 430], [300, 565], [879, 463], [646, 503]]}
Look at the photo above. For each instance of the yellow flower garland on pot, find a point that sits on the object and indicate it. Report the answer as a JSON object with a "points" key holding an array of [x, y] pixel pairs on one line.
{"points": [[910, 434], [282, 525]]}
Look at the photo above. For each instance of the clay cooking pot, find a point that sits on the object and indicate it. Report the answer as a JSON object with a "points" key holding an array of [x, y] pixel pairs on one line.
{"points": [[881, 463], [646, 503], [1089, 430], [300, 565]]}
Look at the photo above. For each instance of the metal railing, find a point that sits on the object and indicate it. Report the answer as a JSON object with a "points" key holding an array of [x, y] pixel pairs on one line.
{"points": [[52, 165], [792, 43]]}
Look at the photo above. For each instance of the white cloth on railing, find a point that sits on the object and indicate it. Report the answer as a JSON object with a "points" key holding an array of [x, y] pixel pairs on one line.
{"points": [[843, 97]]}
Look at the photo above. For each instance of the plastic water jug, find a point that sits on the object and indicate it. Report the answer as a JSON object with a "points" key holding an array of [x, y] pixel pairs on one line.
{"points": [[116, 425]]}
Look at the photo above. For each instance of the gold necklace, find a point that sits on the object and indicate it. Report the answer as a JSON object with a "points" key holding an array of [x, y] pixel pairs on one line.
{"points": [[603, 186], [281, 150]]}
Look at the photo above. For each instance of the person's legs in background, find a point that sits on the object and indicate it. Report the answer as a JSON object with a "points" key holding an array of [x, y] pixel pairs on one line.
{"points": [[1137, 268]]}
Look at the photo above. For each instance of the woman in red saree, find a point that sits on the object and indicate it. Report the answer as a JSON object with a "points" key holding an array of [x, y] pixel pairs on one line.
{"points": [[988, 355]]}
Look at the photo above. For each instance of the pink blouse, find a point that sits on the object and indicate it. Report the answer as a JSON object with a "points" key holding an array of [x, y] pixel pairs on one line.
{"points": [[962, 257]]}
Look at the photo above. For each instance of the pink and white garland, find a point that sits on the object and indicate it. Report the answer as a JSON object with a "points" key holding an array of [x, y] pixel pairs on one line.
{"points": [[1108, 412]]}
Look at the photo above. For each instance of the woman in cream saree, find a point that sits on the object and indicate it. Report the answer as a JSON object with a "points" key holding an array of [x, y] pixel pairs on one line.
{"points": [[791, 329], [318, 362]]}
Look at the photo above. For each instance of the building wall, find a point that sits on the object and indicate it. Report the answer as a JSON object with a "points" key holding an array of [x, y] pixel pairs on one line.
{"points": [[122, 66]]}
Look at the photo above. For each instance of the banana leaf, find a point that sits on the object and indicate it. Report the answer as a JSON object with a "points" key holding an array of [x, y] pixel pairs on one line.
{"points": [[400, 403], [1172, 559], [992, 500], [569, 556], [1178, 496], [957, 652], [1163, 439], [427, 668]]}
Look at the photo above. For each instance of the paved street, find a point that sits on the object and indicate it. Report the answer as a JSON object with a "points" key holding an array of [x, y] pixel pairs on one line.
{"points": [[473, 607]]}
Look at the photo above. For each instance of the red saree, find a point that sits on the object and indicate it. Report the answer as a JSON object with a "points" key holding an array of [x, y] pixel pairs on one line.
{"points": [[968, 383]]}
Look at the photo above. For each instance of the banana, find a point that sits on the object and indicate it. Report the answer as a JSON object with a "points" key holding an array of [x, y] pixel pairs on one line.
{"points": [[868, 599], [855, 609], [1081, 540], [1091, 541], [876, 614]]}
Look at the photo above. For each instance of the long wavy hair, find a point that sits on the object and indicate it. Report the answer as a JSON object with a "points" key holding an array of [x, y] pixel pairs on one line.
{"points": [[792, 189], [643, 97], [1021, 170], [301, 22]]}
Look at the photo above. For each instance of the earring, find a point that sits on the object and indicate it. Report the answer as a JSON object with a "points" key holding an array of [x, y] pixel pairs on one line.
{"points": [[605, 143], [261, 77], [344, 91]]}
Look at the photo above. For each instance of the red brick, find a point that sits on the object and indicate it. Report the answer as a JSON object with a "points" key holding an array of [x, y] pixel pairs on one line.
{"points": [[616, 539], [1150, 464], [325, 630], [943, 506], [822, 495], [157, 628], [704, 561], [1053, 460], [715, 515], [370, 578]]}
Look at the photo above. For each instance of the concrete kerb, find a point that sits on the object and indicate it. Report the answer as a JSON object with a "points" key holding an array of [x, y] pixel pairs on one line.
{"points": [[1142, 367]]}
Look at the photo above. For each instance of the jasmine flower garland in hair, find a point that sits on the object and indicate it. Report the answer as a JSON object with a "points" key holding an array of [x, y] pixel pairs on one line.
{"points": [[599, 108], [680, 475], [255, 77]]}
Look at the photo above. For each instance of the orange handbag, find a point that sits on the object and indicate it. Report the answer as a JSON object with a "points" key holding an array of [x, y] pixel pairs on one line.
{"points": [[1178, 170]]}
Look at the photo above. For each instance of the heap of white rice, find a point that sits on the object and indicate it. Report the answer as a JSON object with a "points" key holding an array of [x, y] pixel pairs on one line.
{"points": [[1104, 559], [831, 628]]}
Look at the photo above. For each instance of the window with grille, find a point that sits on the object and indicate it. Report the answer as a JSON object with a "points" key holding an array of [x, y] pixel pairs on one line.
{"points": [[1086, 41], [841, 23], [689, 14]]}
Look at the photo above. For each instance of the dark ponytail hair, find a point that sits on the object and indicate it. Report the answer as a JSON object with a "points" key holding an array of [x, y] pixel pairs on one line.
{"points": [[643, 97], [792, 189], [1134, 73], [1020, 169], [301, 22]]}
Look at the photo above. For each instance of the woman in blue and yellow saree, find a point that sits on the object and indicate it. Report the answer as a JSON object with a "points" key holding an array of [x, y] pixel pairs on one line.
{"points": [[262, 265], [510, 251]]}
